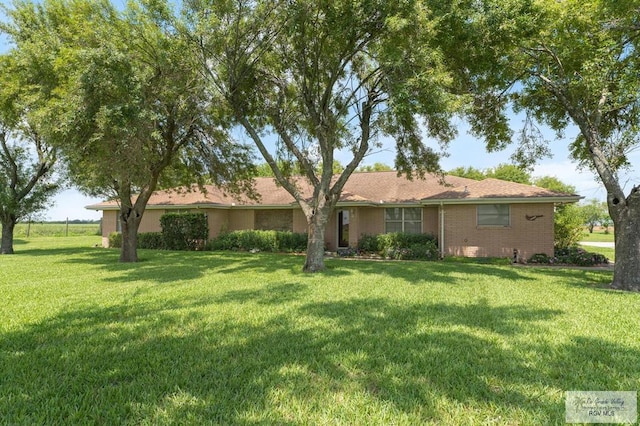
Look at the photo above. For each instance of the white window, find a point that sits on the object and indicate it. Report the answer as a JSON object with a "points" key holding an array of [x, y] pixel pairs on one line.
{"points": [[494, 215], [398, 219]]}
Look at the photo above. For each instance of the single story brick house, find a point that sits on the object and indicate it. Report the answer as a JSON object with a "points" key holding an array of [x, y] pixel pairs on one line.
{"points": [[470, 218]]}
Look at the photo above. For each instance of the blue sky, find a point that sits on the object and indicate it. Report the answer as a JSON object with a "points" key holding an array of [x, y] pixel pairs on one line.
{"points": [[464, 151]]}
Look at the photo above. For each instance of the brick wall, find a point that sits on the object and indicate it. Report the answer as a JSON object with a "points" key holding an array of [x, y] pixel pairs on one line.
{"points": [[464, 238]]}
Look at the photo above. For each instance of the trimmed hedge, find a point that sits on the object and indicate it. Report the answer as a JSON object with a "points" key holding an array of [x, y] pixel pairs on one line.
{"points": [[146, 240], [270, 241], [184, 231], [401, 246], [151, 240]]}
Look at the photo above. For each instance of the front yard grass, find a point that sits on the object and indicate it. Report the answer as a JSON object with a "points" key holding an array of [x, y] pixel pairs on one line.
{"points": [[239, 338]]}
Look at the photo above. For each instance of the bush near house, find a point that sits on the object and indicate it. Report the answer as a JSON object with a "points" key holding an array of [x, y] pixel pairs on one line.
{"points": [[151, 240], [146, 240], [184, 231], [570, 256], [269, 241], [115, 240], [180, 231], [401, 246]]}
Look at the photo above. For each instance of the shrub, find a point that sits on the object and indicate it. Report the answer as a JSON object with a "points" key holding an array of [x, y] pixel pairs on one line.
{"points": [[401, 246], [570, 256], [579, 256], [184, 231], [567, 227], [295, 242], [115, 240], [151, 240], [369, 244], [271, 241], [540, 258]]}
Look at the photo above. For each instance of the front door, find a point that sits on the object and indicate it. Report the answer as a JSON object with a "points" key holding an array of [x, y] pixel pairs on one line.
{"points": [[343, 228]]}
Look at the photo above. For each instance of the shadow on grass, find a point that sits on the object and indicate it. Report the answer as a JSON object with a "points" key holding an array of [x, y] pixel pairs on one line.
{"points": [[364, 361], [598, 279], [170, 266]]}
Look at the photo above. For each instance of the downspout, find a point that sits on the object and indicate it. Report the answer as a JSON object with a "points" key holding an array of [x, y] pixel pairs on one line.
{"points": [[441, 239]]}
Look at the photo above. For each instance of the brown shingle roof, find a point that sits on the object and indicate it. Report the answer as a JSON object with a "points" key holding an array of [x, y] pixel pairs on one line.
{"points": [[365, 188], [496, 189]]}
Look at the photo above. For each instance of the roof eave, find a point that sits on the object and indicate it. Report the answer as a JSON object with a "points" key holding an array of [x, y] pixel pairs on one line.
{"points": [[505, 200]]}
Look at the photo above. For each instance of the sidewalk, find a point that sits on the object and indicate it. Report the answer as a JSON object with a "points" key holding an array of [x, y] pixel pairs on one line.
{"points": [[596, 244]]}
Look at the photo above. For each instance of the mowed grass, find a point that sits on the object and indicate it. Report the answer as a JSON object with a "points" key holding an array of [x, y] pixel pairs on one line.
{"points": [[238, 338], [55, 229], [598, 236]]}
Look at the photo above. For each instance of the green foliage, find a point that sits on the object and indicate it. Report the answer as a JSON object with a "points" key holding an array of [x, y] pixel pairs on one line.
{"points": [[568, 219], [595, 213], [554, 184], [375, 167], [130, 111], [568, 226], [510, 173], [570, 256], [115, 240], [401, 246], [507, 172], [540, 258], [151, 240], [328, 78], [369, 243], [27, 157], [579, 256], [184, 231], [269, 241], [468, 172]]}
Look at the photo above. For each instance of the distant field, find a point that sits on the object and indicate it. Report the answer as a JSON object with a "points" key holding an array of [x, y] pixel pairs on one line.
{"points": [[55, 229], [598, 236]]}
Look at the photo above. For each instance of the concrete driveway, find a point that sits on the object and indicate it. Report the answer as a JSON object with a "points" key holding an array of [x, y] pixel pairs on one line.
{"points": [[596, 244]]}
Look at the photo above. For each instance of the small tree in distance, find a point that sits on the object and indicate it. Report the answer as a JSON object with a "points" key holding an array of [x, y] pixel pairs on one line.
{"points": [[595, 213]]}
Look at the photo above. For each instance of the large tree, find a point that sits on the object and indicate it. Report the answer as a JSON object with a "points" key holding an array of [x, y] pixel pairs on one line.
{"points": [[27, 181], [564, 63], [323, 76], [132, 112]]}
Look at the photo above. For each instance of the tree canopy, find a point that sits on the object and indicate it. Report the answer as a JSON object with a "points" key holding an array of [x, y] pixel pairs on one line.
{"points": [[319, 77], [562, 63], [27, 159], [132, 112]]}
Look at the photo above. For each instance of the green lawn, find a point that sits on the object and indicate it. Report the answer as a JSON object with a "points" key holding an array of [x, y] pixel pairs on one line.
{"points": [[598, 236], [51, 229], [235, 338]]}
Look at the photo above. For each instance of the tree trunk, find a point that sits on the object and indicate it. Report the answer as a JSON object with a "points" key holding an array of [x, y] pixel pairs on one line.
{"points": [[315, 245], [7, 236], [626, 273], [130, 223]]}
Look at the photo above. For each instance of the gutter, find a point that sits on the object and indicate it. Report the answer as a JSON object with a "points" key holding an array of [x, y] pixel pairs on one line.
{"points": [[503, 200]]}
